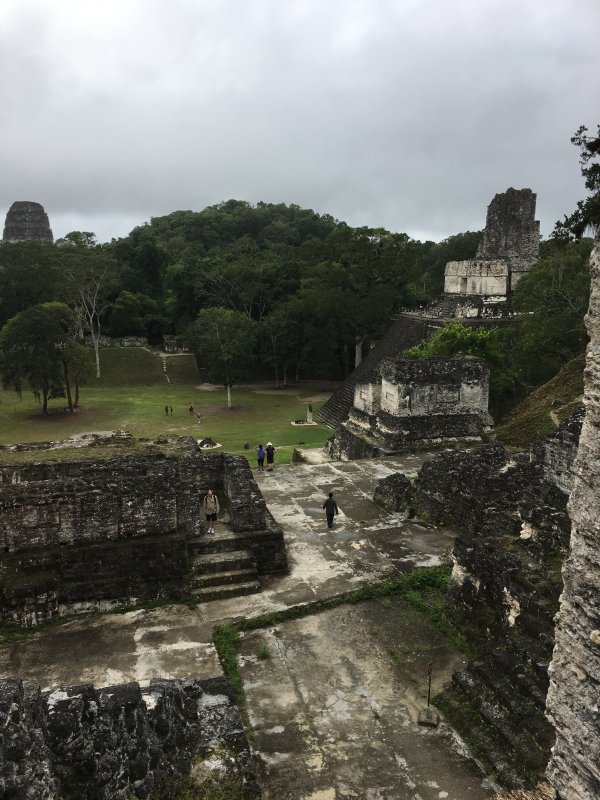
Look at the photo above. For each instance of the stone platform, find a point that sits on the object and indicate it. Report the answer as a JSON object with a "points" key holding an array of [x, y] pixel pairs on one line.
{"points": [[335, 705]]}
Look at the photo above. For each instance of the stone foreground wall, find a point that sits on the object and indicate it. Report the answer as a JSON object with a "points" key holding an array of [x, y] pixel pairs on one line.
{"points": [[510, 512], [573, 697], [118, 742], [84, 535]]}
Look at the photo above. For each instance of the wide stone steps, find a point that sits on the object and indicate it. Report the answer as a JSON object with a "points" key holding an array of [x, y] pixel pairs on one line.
{"points": [[404, 332], [518, 746], [480, 742], [221, 573], [524, 679]]}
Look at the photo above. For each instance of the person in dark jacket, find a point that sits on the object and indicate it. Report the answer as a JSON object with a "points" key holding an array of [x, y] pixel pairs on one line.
{"points": [[331, 509], [260, 457]]}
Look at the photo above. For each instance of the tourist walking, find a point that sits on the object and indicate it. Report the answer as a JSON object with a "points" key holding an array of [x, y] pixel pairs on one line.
{"points": [[331, 509], [167, 410], [171, 410], [260, 458], [270, 451], [210, 504], [191, 408]]}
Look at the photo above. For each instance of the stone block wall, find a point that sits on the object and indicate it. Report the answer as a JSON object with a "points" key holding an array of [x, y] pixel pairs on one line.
{"points": [[573, 698], [118, 742], [85, 535], [510, 513], [489, 278], [511, 232], [423, 403]]}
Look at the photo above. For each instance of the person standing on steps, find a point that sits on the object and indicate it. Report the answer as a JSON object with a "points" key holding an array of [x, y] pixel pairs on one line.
{"points": [[260, 458], [270, 451], [210, 504], [331, 509]]}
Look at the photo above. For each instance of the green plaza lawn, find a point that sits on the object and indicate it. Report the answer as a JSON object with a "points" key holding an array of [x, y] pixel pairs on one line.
{"points": [[259, 412]]}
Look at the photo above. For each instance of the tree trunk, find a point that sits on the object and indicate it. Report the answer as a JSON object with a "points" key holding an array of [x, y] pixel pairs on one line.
{"points": [[228, 395], [76, 404], [68, 385], [276, 376], [358, 346], [44, 400], [96, 343], [284, 374], [345, 360]]}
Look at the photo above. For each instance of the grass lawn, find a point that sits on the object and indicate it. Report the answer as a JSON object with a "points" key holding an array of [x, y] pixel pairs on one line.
{"points": [[259, 413]]}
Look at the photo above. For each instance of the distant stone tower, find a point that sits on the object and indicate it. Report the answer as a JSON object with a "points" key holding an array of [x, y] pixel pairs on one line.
{"points": [[511, 232], [27, 221]]}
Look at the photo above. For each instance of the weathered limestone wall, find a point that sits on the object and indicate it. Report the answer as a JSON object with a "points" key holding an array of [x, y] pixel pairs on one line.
{"points": [[510, 513], [27, 221], [511, 232], [490, 278], [83, 535], [416, 403], [573, 697], [118, 742]]}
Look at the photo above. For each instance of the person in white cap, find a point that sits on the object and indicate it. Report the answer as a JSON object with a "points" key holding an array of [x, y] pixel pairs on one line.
{"points": [[270, 456]]}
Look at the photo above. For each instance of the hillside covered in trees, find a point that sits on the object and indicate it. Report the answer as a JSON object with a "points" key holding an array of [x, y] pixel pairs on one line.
{"points": [[285, 291]]}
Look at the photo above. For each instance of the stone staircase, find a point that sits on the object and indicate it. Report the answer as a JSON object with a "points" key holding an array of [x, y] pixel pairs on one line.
{"points": [[497, 703], [219, 569], [405, 331]]}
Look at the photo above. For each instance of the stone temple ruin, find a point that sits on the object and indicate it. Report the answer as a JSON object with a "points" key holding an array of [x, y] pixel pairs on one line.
{"points": [[416, 404], [509, 248], [27, 221], [476, 293], [135, 518]]}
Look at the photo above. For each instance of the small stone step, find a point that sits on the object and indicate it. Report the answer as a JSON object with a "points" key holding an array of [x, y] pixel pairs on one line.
{"points": [[213, 543], [223, 578], [203, 563], [227, 590]]}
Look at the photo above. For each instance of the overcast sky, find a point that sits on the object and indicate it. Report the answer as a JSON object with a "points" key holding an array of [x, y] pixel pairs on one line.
{"points": [[405, 114]]}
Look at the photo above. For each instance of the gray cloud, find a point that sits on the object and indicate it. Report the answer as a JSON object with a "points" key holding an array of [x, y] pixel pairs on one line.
{"points": [[406, 114]]}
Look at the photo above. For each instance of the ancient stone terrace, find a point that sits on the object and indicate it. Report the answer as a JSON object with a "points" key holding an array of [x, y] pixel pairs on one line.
{"points": [[416, 404], [89, 534]]}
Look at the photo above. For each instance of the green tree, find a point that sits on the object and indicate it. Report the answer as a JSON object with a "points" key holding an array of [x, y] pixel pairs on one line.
{"points": [[553, 297], [37, 346], [587, 213], [126, 316], [488, 344], [29, 275], [225, 340], [89, 278]]}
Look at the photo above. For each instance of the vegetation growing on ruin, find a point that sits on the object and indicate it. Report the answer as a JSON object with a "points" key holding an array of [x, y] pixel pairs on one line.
{"points": [[547, 406]]}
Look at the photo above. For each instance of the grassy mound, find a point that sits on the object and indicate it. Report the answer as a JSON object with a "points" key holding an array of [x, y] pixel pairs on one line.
{"points": [[545, 408], [129, 366], [136, 366]]}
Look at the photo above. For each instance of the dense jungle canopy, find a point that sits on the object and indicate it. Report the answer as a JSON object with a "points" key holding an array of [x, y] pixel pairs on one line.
{"points": [[292, 293]]}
